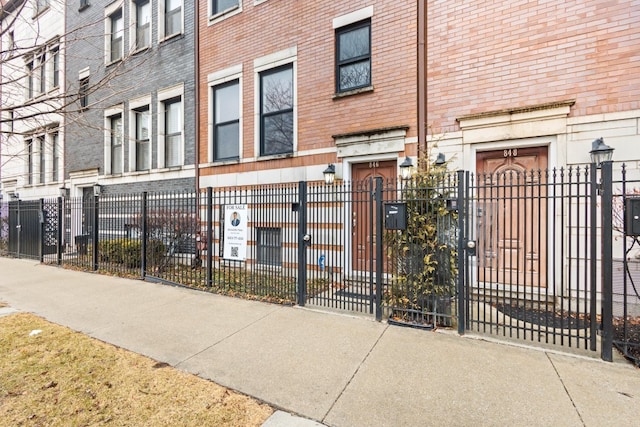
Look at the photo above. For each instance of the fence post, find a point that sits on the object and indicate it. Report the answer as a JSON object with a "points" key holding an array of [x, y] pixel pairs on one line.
{"points": [[593, 231], [462, 255], [607, 261], [143, 246], [302, 246], [59, 230], [41, 222], [379, 247], [209, 236], [95, 231]]}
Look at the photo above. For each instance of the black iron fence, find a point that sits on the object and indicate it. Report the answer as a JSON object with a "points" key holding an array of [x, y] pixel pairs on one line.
{"points": [[545, 256]]}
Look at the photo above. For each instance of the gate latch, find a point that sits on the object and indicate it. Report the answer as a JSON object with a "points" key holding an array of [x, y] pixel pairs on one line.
{"points": [[471, 247]]}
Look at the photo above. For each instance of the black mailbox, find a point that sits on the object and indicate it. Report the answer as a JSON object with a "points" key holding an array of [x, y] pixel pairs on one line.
{"points": [[395, 216], [632, 214]]}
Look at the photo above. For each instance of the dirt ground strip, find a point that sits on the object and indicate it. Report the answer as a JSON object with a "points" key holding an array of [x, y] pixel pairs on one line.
{"points": [[53, 376]]}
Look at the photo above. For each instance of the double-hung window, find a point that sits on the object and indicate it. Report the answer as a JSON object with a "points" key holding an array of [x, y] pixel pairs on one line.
{"points": [[115, 145], [116, 35], [30, 80], [42, 74], [353, 56], [143, 24], [83, 93], [30, 161], [42, 159], [219, 6], [41, 5], [142, 137], [172, 17], [276, 110], [55, 66], [173, 132], [226, 121], [55, 149]]}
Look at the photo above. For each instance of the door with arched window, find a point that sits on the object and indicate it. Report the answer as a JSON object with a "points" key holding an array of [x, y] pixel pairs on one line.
{"points": [[511, 216]]}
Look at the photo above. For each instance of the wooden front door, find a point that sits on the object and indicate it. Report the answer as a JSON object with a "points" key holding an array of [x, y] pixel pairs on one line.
{"points": [[511, 216], [363, 215]]}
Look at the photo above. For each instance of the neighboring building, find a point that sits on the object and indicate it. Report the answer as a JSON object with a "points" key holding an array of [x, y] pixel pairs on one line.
{"points": [[130, 69], [32, 88], [287, 87], [550, 77]]}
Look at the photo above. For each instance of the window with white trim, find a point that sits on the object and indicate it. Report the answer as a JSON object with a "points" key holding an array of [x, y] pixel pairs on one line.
{"points": [[42, 74], [142, 126], [219, 6], [55, 150], [30, 161], [172, 22], [55, 66], [41, 6], [276, 110], [115, 144], [353, 56], [115, 36], [83, 93], [30, 76], [173, 132], [141, 11], [226, 120], [41, 159]]}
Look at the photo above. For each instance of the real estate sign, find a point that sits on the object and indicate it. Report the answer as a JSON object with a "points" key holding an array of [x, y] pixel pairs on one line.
{"points": [[236, 219]]}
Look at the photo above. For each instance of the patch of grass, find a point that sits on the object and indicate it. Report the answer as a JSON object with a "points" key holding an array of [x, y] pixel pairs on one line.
{"points": [[59, 378]]}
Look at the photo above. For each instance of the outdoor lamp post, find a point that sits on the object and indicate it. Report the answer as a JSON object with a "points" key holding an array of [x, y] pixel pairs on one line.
{"points": [[406, 167], [440, 160], [600, 152], [97, 189], [329, 174], [63, 191]]}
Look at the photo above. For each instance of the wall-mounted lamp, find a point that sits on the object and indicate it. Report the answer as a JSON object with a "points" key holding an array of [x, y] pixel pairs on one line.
{"points": [[97, 189], [329, 174], [406, 168], [440, 160], [600, 152]]}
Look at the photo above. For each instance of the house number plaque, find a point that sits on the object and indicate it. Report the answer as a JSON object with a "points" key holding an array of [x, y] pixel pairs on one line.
{"points": [[511, 152]]}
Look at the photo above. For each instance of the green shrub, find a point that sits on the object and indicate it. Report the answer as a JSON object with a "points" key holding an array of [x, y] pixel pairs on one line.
{"points": [[426, 250], [128, 252]]}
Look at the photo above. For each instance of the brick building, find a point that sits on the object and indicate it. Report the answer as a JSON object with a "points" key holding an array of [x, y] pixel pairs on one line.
{"points": [[549, 77], [32, 90], [287, 87], [130, 68]]}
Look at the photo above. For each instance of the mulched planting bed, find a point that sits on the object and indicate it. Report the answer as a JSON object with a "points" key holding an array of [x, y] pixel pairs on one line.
{"points": [[552, 319], [565, 320], [632, 339]]}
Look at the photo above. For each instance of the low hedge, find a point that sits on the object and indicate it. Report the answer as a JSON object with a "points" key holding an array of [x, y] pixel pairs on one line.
{"points": [[128, 252]]}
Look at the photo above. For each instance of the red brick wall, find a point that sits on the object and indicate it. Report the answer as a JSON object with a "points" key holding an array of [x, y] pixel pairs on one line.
{"points": [[488, 55], [280, 24]]}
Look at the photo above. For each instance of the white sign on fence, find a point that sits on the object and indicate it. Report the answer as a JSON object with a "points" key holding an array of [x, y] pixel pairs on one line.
{"points": [[236, 219]]}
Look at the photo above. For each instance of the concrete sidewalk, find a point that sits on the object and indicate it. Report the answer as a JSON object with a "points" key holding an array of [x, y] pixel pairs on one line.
{"points": [[337, 370]]}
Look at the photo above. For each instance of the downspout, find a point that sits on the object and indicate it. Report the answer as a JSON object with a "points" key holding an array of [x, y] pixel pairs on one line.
{"points": [[421, 84], [196, 78]]}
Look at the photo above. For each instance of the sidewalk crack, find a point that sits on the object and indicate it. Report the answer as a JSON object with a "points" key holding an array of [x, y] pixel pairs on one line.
{"points": [[324, 417], [565, 389], [248, 325]]}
